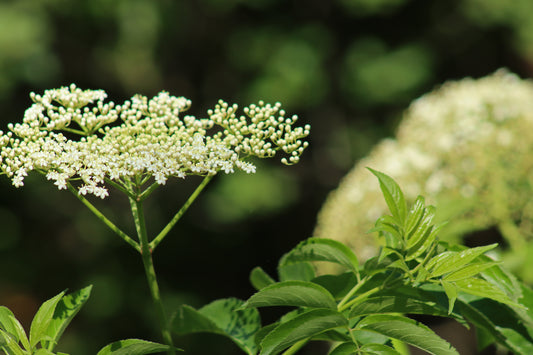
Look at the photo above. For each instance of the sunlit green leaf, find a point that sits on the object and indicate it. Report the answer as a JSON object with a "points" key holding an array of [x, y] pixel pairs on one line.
{"points": [[12, 326], [417, 250], [225, 317], [293, 293], [451, 292], [390, 230], [482, 288], [415, 214], [393, 196], [65, 311], [321, 249], [10, 344], [503, 279], [259, 278], [133, 347], [42, 320], [408, 331], [451, 261], [468, 271], [419, 235], [304, 326]]}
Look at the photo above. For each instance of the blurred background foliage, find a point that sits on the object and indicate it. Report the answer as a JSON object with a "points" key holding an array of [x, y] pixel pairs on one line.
{"points": [[347, 67]]}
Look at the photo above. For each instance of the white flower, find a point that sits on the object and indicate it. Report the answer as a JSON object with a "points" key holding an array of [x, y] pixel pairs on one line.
{"points": [[467, 144], [152, 142]]}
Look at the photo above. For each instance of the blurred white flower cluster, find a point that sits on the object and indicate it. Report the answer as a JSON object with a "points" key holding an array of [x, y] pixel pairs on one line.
{"points": [[72, 134], [467, 147]]}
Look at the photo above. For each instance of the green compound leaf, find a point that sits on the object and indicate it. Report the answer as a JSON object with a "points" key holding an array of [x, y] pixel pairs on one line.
{"points": [[504, 325], [367, 349], [260, 279], [12, 327], [408, 331], [303, 271], [321, 249], [134, 347], [293, 293], [423, 232], [418, 236], [42, 319], [9, 344], [502, 279], [426, 242], [347, 348], [378, 349], [393, 196], [451, 292], [225, 317], [303, 326], [397, 304], [388, 227], [451, 261], [414, 215], [468, 271], [338, 285], [65, 311], [483, 288]]}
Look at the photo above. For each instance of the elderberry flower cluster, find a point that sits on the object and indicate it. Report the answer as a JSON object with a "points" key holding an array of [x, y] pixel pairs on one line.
{"points": [[465, 146], [71, 134]]}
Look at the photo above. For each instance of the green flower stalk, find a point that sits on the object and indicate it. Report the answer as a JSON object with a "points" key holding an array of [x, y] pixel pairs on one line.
{"points": [[136, 147]]}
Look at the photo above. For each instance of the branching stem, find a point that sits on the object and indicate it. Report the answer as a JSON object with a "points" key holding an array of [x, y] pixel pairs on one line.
{"points": [[146, 253], [104, 219], [155, 242]]}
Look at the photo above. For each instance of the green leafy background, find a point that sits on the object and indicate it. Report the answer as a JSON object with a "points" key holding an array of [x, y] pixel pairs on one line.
{"points": [[347, 67]]}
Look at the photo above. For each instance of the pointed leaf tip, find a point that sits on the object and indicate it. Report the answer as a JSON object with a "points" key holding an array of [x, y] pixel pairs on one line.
{"points": [[393, 196]]}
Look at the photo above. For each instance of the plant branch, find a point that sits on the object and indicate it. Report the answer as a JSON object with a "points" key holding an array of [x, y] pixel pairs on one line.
{"points": [[119, 187], [147, 191], [104, 219], [146, 253], [154, 243], [295, 347]]}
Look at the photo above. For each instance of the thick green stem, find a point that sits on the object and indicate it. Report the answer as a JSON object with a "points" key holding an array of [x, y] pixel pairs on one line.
{"points": [[295, 347], [342, 304], [155, 242], [104, 219], [146, 253]]}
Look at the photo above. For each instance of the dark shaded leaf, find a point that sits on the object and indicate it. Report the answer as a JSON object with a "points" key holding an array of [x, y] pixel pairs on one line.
{"points": [[321, 249], [134, 347], [498, 320], [303, 271], [259, 278], [397, 304], [225, 317]]}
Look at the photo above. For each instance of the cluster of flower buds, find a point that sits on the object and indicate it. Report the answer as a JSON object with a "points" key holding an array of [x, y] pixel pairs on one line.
{"points": [[140, 140]]}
